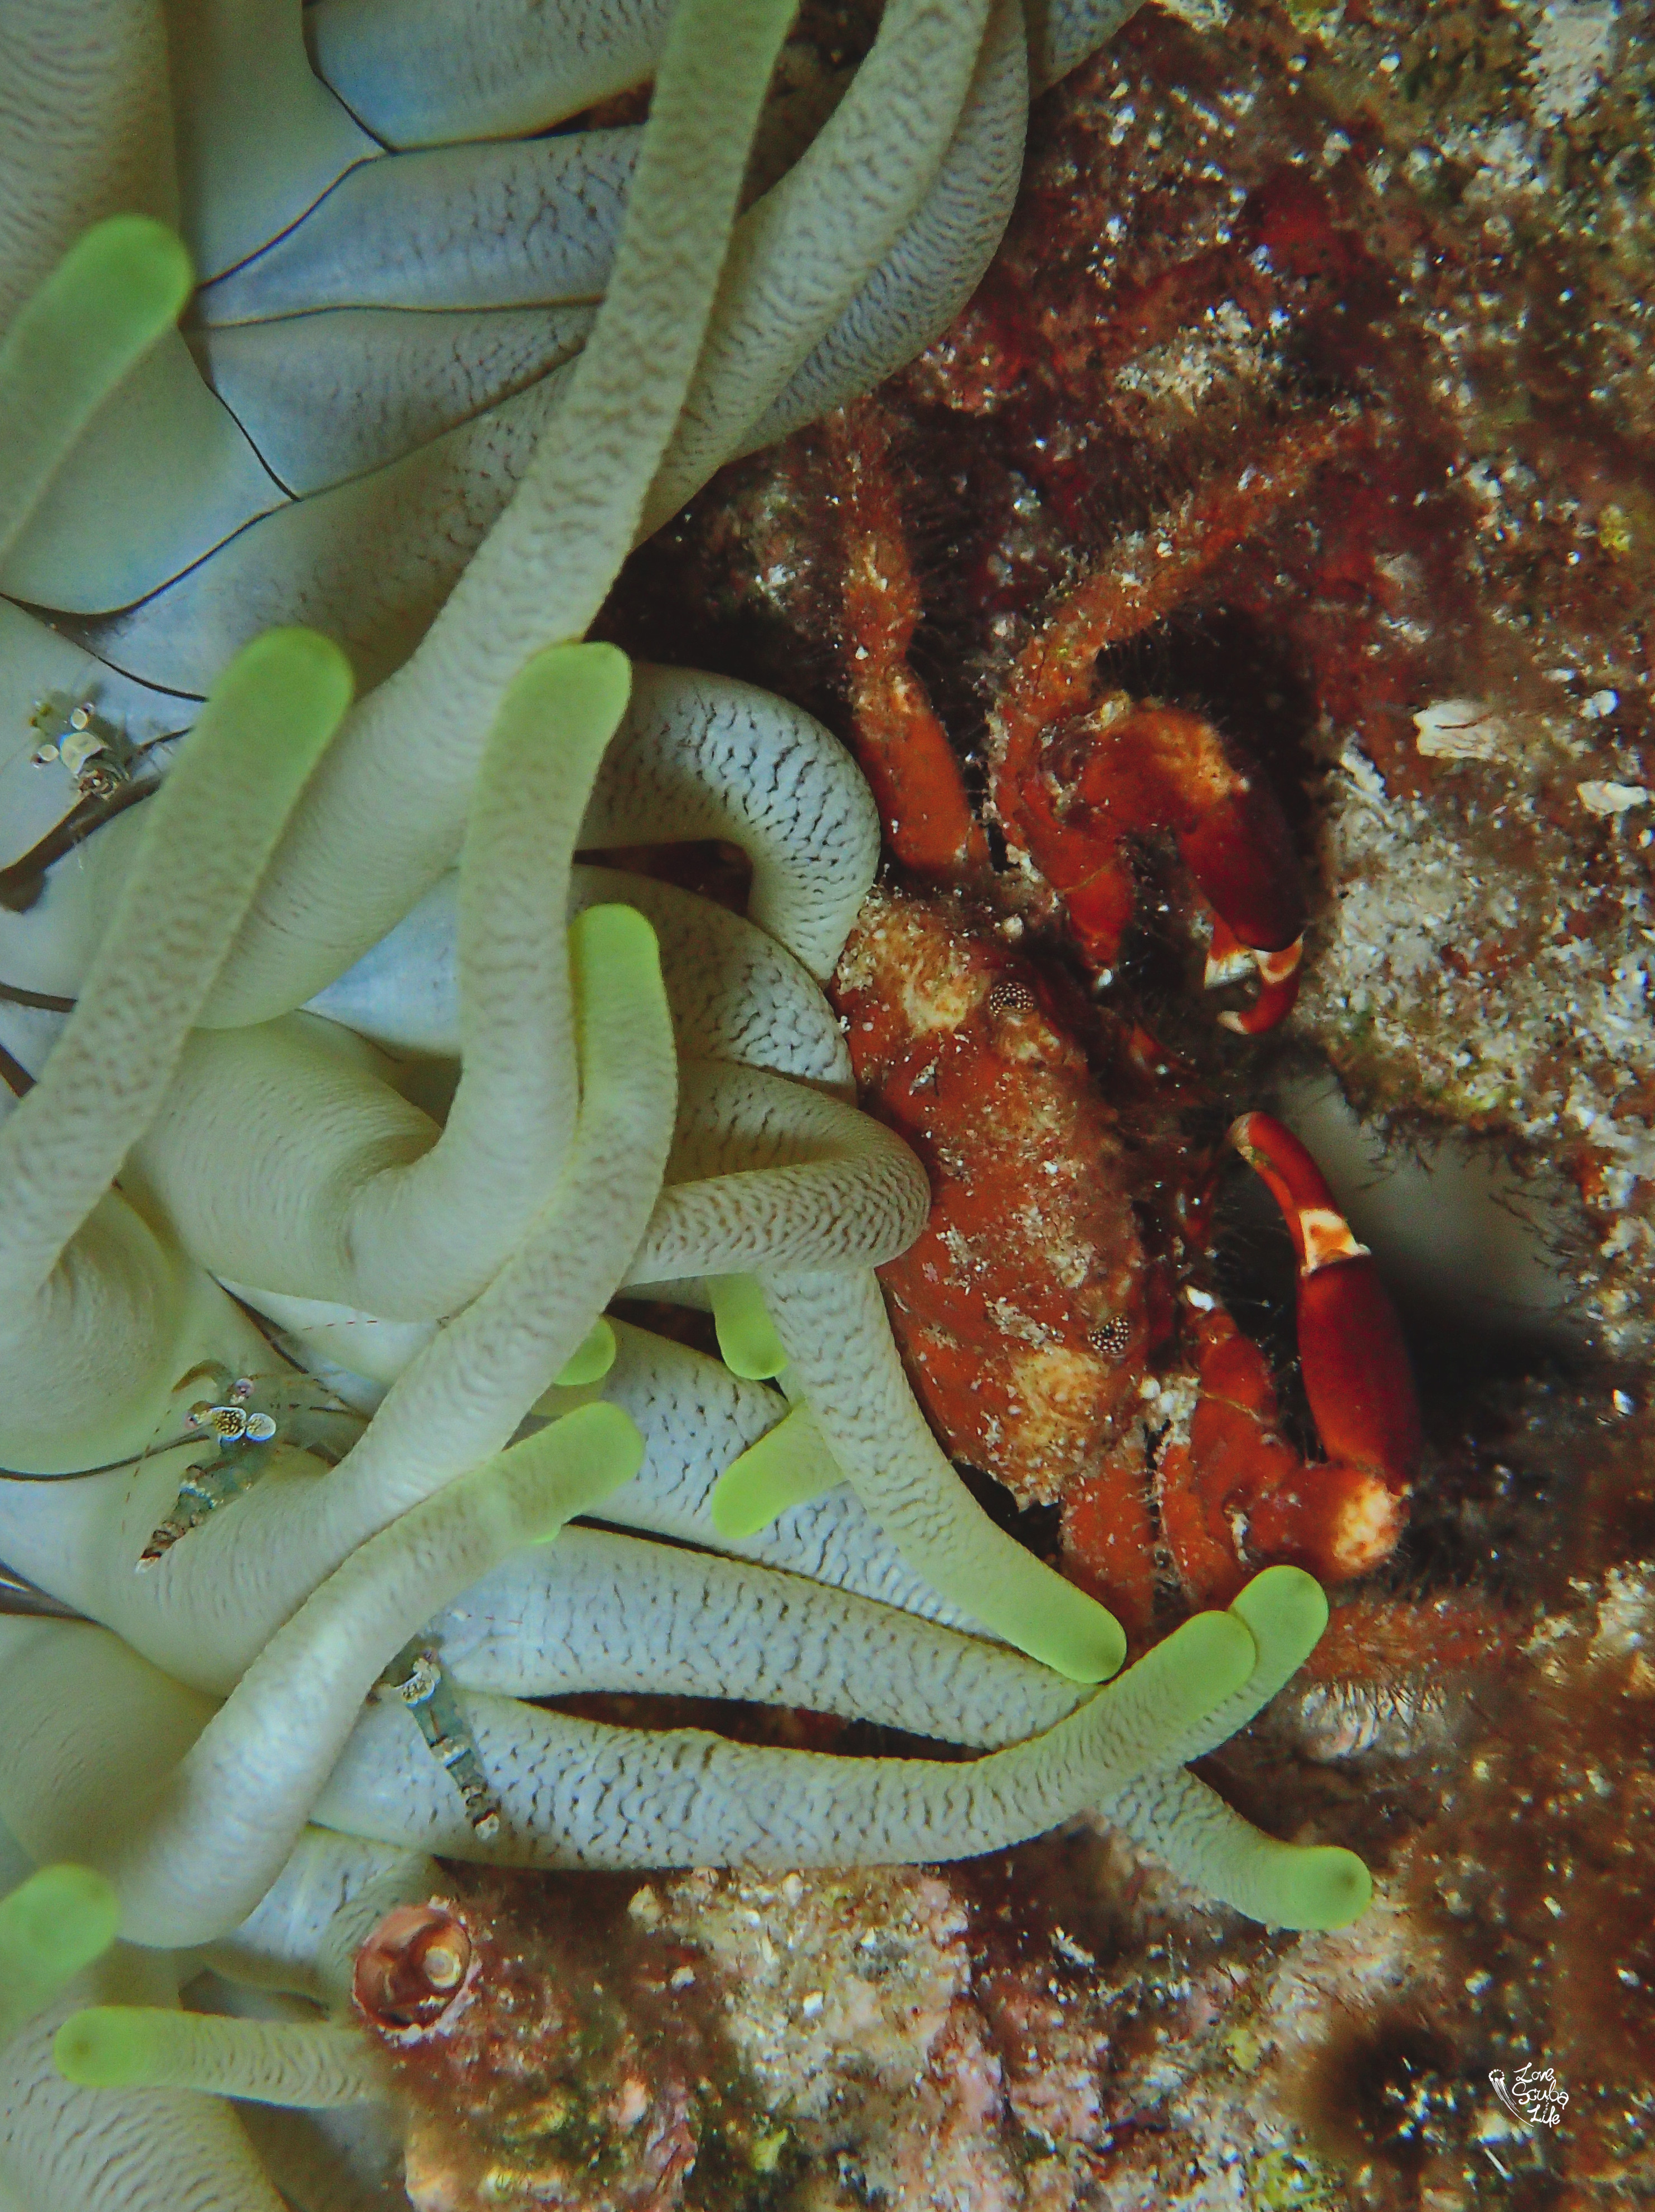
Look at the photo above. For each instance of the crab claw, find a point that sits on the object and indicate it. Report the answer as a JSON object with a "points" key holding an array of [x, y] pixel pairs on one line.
{"points": [[1240, 856], [1346, 1514], [1119, 772], [1229, 961]]}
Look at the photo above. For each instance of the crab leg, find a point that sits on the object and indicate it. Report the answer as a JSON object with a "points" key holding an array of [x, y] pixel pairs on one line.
{"points": [[1347, 1515]]}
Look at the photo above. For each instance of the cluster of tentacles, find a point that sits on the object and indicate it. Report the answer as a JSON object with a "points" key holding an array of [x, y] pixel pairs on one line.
{"points": [[347, 1102]]}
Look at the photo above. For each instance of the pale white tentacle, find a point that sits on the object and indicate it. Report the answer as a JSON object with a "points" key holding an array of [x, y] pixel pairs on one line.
{"points": [[845, 1364], [799, 258], [934, 266], [198, 1837], [343, 392], [93, 1306], [578, 1793], [602, 1611], [260, 139], [766, 1172], [704, 756], [85, 128]]}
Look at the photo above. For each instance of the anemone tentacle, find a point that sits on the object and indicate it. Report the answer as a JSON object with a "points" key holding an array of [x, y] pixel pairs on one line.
{"points": [[211, 1602], [93, 1308], [302, 1936], [420, 72], [909, 298], [52, 1926], [275, 1165], [845, 1364], [212, 1801], [85, 131], [260, 138], [736, 995], [447, 230], [308, 2065], [114, 293], [581, 1793], [603, 1611], [799, 256]]}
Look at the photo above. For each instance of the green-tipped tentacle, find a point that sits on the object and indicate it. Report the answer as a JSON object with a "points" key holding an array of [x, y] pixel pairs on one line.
{"points": [[788, 1466], [576, 1793], [306, 1173], [267, 2062], [1175, 1815], [747, 1343], [51, 1926], [92, 1308], [1209, 1845], [843, 1364], [107, 301]]}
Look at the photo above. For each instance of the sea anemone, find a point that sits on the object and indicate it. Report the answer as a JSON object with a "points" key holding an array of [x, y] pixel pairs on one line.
{"points": [[328, 1155]]}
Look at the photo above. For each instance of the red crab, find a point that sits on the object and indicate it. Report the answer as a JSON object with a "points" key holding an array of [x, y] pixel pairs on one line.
{"points": [[1048, 1343]]}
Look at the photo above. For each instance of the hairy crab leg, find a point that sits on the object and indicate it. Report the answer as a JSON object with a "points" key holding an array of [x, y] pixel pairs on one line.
{"points": [[1152, 767]]}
